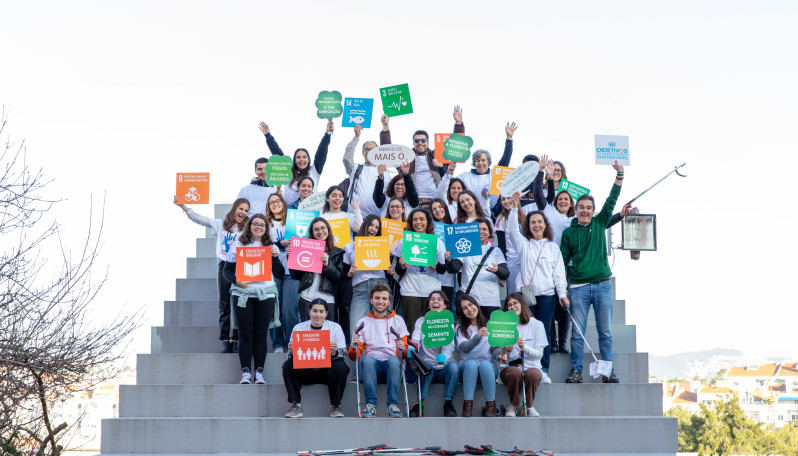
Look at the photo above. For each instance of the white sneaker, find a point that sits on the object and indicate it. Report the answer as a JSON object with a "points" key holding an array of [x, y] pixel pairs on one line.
{"points": [[246, 377], [259, 380], [510, 413], [545, 378], [279, 350], [532, 412]]}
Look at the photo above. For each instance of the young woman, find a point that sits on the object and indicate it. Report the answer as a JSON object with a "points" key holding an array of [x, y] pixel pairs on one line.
{"points": [[362, 281], [400, 186], [302, 165], [226, 231], [440, 214], [559, 215], [324, 285], [556, 173], [254, 302], [480, 274], [507, 248], [287, 296], [468, 208], [531, 340], [444, 367], [333, 201], [396, 210], [476, 355], [418, 282], [449, 189], [543, 272], [305, 185]]}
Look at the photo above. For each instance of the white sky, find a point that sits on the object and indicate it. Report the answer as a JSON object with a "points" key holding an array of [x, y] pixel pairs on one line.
{"points": [[116, 97]]}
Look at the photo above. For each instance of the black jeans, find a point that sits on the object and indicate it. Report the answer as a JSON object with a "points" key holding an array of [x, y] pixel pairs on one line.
{"points": [[253, 325], [563, 323], [224, 306], [334, 377]]}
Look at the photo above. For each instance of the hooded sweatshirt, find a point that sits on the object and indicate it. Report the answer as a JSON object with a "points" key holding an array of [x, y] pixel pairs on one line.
{"points": [[376, 338]]}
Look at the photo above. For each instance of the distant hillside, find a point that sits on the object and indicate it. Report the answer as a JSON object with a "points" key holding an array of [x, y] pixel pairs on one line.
{"points": [[704, 363]]}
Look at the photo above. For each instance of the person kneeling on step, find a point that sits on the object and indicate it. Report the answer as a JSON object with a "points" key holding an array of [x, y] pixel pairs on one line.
{"points": [[334, 376], [379, 351]]}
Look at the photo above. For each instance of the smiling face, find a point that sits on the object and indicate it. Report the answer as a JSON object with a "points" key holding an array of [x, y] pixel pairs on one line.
{"points": [[319, 230], [467, 204], [399, 188], [419, 222], [396, 209], [275, 205], [366, 148], [306, 188], [260, 171], [317, 315], [380, 300], [470, 311], [537, 225], [373, 228], [455, 190], [301, 159], [557, 174], [584, 211], [481, 163], [563, 202], [420, 144], [507, 203], [438, 211], [436, 301], [241, 212], [258, 228], [336, 199], [514, 305], [484, 232]]}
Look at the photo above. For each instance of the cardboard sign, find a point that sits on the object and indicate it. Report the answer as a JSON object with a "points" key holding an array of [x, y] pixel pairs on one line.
{"points": [[437, 328], [610, 148], [396, 100], [457, 148], [340, 231], [314, 202], [253, 264], [306, 254], [391, 155], [193, 188], [298, 222], [372, 253], [328, 105], [393, 230], [420, 249], [497, 177], [502, 329], [311, 349], [440, 139], [357, 111], [278, 170], [574, 190], [520, 178], [462, 239]]}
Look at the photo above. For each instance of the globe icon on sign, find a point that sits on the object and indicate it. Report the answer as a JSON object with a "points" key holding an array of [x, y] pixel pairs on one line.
{"points": [[462, 246]]}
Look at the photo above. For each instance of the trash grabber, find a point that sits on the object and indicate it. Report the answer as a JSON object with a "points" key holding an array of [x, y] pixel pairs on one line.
{"points": [[357, 371], [404, 380], [523, 385], [674, 170], [351, 450], [593, 354]]}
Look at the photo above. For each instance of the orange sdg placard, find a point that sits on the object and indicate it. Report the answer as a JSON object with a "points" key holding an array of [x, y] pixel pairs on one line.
{"points": [[393, 230], [311, 349], [193, 188], [253, 264], [372, 254], [497, 176], [441, 138]]}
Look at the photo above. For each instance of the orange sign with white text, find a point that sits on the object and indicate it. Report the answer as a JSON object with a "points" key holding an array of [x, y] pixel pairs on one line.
{"points": [[497, 176], [372, 253], [193, 188], [441, 138], [311, 349], [393, 230], [253, 264]]}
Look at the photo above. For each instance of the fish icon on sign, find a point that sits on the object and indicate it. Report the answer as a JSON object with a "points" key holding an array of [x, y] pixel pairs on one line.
{"points": [[357, 120]]}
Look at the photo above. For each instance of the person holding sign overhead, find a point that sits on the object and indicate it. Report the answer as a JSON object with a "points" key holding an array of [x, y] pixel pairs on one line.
{"points": [[476, 355], [334, 376], [478, 179], [255, 302], [363, 177], [302, 166], [400, 186], [324, 285]]}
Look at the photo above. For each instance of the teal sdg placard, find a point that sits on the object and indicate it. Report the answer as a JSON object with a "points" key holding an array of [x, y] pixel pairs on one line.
{"points": [[420, 249], [328, 105], [396, 100]]}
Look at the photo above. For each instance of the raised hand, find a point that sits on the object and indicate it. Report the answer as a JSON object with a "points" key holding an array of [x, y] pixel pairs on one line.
{"points": [[358, 129], [264, 128], [330, 126], [355, 204], [384, 120], [405, 168], [483, 331], [181, 206], [617, 167], [510, 129], [436, 163], [516, 198], [544, 161], [458, 115], [381, 169]]}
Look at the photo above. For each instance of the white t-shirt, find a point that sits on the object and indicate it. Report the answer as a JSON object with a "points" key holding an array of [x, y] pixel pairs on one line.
{"points": [[257, 196], [486, 285], [420, 281], [224, 239], [512, 257], [364, 190], [336, 333], [355, 218], [534, 335], [360, 276], [425, 183], [291, 192]]}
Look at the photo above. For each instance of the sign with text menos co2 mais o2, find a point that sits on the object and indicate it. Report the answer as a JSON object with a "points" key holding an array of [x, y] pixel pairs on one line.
{"points": [[391, 155]]}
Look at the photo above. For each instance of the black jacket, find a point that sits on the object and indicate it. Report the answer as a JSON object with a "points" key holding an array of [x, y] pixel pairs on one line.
{"points": [[331, 276]]}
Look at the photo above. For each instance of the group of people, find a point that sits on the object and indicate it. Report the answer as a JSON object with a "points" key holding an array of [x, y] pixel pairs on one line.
{"points": [[541, 249]]}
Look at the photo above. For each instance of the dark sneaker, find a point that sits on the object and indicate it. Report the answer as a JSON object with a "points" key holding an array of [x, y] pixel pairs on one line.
{"points": [[574, 377], [611, 379], [448, 409], [563, 348], [227, 347], [414, 410], [234, 344]]}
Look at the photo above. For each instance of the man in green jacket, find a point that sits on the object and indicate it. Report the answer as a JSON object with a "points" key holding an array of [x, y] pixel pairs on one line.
{"points": [[583, 245]]}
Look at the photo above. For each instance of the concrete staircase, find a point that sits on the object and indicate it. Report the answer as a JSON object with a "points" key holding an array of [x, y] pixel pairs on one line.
{"points": [[187, 399]]}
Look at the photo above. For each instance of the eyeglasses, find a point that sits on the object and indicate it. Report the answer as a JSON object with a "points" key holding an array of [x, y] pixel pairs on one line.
{"points": [[513, 304], [422, 140], [258, 225], [275, 203], [395, 207], [436, 298], [556, 170]]}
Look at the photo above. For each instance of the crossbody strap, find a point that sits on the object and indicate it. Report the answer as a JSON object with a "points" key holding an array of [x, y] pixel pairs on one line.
{"points": [[479, 268]]}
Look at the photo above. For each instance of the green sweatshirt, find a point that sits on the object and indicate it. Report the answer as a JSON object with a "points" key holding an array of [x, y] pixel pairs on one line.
{"points": [[585, 245]]}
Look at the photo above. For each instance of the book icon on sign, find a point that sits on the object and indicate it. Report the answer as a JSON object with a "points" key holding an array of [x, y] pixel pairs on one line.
{"points": [[253, 269]]}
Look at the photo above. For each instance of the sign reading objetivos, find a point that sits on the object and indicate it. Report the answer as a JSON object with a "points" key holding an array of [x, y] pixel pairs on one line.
{"points": [[610, 148], [391, 155]]}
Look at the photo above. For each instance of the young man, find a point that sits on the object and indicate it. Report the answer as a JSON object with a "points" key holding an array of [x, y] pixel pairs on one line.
{"points": [[258, 192], [380, 351], [584, 246], [334, 376]]}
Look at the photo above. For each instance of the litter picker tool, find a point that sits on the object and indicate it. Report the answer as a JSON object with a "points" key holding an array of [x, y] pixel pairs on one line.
{"points": [[357, 371], [598, 367], [674, 170], [349, 451], [404, 380], [523, 384]]}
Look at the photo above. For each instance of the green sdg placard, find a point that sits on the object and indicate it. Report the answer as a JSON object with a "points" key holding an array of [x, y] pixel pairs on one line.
{"points": [[574, 190], [502, 329], [396, 100], [329, 105], [278, 170], [437, 328], [420, 249], [457, 148]]}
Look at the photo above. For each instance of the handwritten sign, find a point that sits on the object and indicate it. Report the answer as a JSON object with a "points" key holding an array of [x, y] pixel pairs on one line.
{"points": [[420, 249], [610, 148], [314, 202], [328, 105], [306, 254], [311, 349], [372, 253], [502, 329], [440, 139], [193, 188], [396, 100], [457, 148], [357, 111], [391, 155], [520, 178], [573, 189], [253, 264], [298, 222], [340, 231], [392, 229], [278, 170], [497, 177], [437, 328]]}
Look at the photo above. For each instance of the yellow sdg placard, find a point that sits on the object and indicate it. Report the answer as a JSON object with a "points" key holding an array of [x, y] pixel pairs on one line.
{"points": [[393, 230], [340, 232], [371, 253], [497, 176], [193, 188]]}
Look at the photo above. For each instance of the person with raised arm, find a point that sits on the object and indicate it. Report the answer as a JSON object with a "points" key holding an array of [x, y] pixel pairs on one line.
{"points": [[477, 180], [258, 191], [400, 186], [362, 177], [334, 201]]}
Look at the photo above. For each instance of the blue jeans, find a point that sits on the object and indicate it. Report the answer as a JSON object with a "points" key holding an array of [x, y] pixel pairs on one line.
{"points": [[373, 372], [360, 304], [600, 296], [289, 311], [486, 372], [544, 312], [448, 375]]}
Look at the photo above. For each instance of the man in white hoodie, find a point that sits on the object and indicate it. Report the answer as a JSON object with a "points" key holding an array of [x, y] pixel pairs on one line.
{"points": [[258, 191]]}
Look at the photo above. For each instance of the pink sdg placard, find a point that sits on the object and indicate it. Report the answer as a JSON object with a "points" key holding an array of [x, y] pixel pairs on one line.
{"points": [[306, 254]]}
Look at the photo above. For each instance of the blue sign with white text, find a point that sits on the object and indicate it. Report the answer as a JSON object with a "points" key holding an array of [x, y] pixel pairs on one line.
{"points": [[462, 239], [357, 111], [298, 223]]}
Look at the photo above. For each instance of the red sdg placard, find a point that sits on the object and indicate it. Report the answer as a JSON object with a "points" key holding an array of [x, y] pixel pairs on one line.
{"points": [[253, 264], [311, 349]]}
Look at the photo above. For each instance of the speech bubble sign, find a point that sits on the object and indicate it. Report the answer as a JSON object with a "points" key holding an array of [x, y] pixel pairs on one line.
{"points": [[391, 155], [314, 202], [457, 148], [520, 178], [437, 328], [278, 170], [502, 329], [328, 104]]}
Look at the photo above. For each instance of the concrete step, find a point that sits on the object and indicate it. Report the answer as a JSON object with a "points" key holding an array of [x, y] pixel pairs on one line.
{"points": [[206, 247], [196, 290], [555, 399], [224, 368], [205, 339], [201, 268], [633, 435]]}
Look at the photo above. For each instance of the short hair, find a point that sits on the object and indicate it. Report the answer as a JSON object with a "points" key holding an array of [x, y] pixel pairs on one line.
{"points": [[529, 158], [320, 302], [261, 160], [486, 221], [421, 132], [526, 313], [587, 197], [548, 234], [479, 152], [364, 144], [378, 288]]}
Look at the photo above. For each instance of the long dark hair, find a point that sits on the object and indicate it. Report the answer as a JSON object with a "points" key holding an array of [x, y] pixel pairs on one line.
{"points": [[326, 207], [571, 210], [461, 214], [303, 179], [505, 213], [297, 173], [430, 225], [330, 246], [446, 304], [230, 218], [449, 188], [363, 231], [465, 322], [526, 313], [388, 210], [446, 216], [547, 232], [248, 238], [391, 191]]}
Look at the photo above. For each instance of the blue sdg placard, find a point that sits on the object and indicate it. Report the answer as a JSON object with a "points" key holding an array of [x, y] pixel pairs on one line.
{"points": [[357, 111], [462, 239], [298, 223]]}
